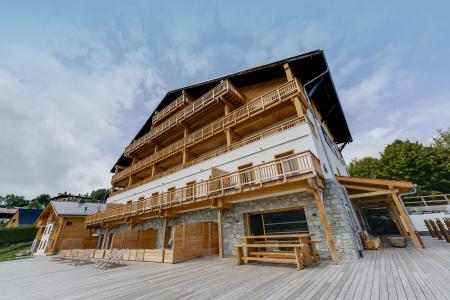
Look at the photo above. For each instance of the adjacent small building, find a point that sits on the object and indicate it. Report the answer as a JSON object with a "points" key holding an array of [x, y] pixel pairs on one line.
{"points": [[23, 217], [61, 225]]}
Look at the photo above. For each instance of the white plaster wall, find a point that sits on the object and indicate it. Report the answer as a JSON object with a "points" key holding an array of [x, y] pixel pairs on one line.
{"points": [[418, 220], [334, 161], [297, 139]]}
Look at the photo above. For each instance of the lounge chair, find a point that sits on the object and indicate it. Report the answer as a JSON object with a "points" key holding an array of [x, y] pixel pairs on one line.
{"points": [[63, 254], [115, 258], [84, 256]]}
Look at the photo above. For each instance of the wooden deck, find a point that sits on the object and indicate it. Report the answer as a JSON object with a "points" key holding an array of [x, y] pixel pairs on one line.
{"points": [[387, 274]]}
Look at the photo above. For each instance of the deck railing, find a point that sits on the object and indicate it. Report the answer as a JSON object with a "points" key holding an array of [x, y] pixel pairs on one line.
{"points": [[430, 200], [148, 162], [276, 171], [257, 106], [197, 105], [178, 103]]}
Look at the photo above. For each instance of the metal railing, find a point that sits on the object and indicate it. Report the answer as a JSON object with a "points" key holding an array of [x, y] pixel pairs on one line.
{"points": [[266, 133], [430, 200], [279, 170], [197, 105], [257, 106]]}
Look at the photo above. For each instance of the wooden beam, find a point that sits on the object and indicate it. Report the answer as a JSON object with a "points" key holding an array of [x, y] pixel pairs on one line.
{"points": [[288, 72], [383, 182], [231, 136], [406, 221], [370, 194], [220, 229], [362, 188], [164, 242], [326, 226]]}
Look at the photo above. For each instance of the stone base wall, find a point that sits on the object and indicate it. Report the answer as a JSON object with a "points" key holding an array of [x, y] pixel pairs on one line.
{"points": [[233, 220]]}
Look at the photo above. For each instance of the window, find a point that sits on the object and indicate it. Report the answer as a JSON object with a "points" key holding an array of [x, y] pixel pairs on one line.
{"points": [[278, 222], [68, 223], [287, 166], [190, 190], [170, 194], [247, 174]]}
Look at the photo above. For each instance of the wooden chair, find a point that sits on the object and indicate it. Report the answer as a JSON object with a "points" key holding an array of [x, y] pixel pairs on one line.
{"points": [[85, 257], [63, 254], [430, 229], [72, 254], [436, 230], [114, 258], [443, 230]]}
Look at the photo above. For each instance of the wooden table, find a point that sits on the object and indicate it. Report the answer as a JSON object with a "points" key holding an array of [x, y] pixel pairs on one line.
{"points": [[304, 253]]}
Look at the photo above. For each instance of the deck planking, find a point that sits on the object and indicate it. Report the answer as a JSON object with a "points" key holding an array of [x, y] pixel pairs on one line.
{"points": [[390, 273]]}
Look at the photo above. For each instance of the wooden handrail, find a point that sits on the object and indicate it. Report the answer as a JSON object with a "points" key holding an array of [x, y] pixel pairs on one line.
{"points": [[240, 115], [187, 111], [173, 106], [276, 170], [266, 133]]}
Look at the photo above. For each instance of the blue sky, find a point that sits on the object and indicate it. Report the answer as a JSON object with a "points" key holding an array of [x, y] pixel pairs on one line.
{"points": [[78, 79]]}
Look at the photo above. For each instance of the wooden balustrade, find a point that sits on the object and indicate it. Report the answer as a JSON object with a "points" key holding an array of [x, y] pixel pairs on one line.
{"points": [[279, 170], [204, 101], [175, 105], [266, 133], [257, 106]]}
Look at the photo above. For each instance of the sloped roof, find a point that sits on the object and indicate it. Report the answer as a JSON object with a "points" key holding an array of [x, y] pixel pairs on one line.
{"points": [[27, 216], [306, 67], [65, 208], [7, 212]]}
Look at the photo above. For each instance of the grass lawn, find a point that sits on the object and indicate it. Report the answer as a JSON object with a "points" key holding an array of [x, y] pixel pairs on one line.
{"points": [[9, 252]]}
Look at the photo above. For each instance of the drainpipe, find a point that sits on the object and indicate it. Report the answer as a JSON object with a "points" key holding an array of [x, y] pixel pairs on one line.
{"points": [[400, 196]]}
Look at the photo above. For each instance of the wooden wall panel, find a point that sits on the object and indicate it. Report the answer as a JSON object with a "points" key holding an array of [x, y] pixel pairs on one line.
{"points": [[135, 239], [195, 240]]}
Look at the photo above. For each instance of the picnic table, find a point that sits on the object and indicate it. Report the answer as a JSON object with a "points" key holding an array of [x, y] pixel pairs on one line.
{"points": [[298, 249]]}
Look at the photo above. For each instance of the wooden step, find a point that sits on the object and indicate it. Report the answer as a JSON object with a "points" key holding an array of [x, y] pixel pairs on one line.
{"points": [[274, 254], [270, 259]]}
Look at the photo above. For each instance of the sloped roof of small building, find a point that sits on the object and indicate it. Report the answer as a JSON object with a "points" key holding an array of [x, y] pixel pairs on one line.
{"points": [[27, 216], [65, 208]]}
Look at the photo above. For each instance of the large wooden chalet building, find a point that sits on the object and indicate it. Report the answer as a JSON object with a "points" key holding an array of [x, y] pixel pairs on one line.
{"points": [[257, 152]]}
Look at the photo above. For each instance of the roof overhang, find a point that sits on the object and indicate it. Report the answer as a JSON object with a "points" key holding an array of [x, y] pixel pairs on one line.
{"points": [[306, 67]]}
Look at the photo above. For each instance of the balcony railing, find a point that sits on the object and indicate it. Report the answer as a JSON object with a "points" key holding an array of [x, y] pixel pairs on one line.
{"points": [[281, 170], [266, 133], [255, 107], [175, 105], [430, 200], [197, 105]]}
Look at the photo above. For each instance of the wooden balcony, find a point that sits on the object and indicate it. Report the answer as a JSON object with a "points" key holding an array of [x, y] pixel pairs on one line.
{"points": [[254, 138], [240, 115], [174, 106], [292, 168], [225, 90]]}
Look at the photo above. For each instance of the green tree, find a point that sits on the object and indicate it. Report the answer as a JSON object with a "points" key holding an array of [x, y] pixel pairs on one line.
{"points": [[35, 204], [43, 199], [367, 167], [99, 195], [12, 200], [426, 166]]}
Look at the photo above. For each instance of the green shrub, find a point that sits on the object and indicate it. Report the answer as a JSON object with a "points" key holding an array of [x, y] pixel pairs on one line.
{"points": [[17, 235]]}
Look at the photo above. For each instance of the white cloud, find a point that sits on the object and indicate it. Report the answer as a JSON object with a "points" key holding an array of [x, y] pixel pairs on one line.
{"points": [[61, 124]]}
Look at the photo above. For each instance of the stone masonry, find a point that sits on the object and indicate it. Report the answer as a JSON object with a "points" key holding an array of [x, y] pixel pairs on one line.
{"points": [[233, 220]]}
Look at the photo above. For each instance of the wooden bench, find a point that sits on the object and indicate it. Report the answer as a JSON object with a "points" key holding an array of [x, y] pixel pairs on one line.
{"points": [[304, 252]]}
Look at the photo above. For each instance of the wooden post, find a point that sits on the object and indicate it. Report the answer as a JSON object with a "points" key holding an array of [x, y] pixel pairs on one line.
{"points": [[326, 227], [105, 237], [406, 221], [394, 215], [220, 229], [164, 243]]}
